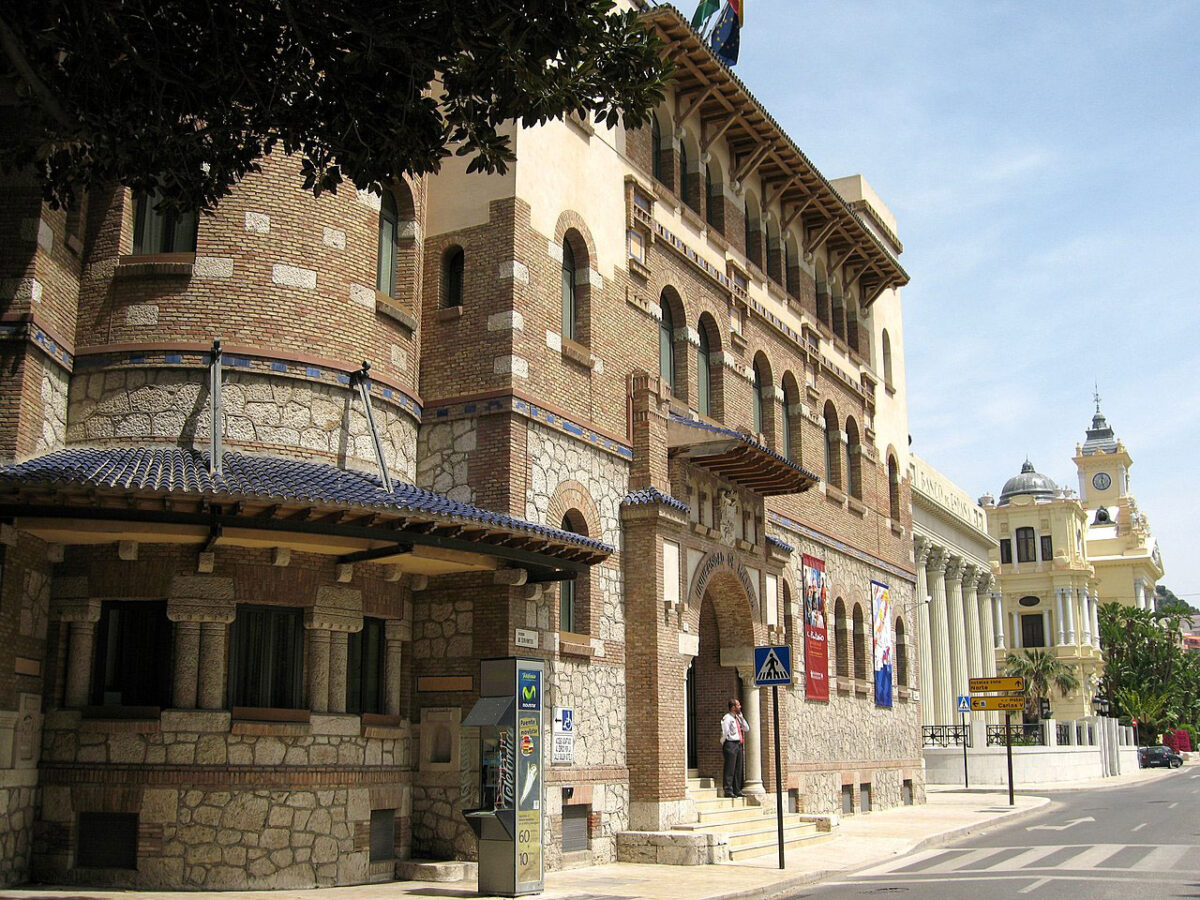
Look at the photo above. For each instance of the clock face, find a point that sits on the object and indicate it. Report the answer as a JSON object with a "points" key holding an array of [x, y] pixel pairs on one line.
{"points": [[1101, 481]]}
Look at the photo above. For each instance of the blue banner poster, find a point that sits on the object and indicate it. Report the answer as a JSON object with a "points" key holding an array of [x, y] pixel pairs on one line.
{"points": [[885, 644]]}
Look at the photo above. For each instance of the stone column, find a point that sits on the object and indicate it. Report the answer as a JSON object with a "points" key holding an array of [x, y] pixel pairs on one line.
{"points": [[943, 708], [987, 633], [970, 585], [1139, 592], [958, 634], [318, 669], [395, 633], [1085, 616], [214, 656], [337, 611], [1046, 629], [754, 784], [337, 670], [1069, 603], [1016, 641], [79, 615], [998, 618], [205, 603], [924, 642], [1096, 620], [187, 664], [1060, 616], [79, 663]]}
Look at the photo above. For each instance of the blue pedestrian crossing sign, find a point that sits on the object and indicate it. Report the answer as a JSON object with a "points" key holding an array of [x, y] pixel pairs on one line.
{"points": [[964, 703], [772, 665]]}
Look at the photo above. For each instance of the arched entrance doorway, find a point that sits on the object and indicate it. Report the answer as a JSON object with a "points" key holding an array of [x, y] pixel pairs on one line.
{"points": [[725, 629]]}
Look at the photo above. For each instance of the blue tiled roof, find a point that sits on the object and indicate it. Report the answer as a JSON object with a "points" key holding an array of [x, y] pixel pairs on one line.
{"points": [[653, 496], [745, 439], [185, 471], [779, 543]]}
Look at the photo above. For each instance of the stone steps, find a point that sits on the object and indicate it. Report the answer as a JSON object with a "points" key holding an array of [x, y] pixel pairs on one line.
{"points": [[748, 829]]}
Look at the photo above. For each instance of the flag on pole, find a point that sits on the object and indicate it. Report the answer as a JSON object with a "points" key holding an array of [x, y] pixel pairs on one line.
{"points": [[726, 35], [705, 9]]}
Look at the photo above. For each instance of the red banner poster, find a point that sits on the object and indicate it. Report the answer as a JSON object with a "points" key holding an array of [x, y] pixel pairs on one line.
{"points": [[816, 646]]}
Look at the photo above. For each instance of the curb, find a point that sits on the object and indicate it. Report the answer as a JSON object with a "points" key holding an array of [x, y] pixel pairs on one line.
{"points": [[785, 887]]}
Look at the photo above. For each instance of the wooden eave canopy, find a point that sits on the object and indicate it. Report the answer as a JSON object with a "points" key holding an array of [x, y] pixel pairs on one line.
{"points": [[758, 145], [416, 542], [736, 458]]}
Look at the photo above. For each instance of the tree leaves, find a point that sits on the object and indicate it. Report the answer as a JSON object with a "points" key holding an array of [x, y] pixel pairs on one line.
{"points": [[185, 98]]}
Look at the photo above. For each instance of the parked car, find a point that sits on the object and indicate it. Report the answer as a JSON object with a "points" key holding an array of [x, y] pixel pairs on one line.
{"points": [[1158, 756]]}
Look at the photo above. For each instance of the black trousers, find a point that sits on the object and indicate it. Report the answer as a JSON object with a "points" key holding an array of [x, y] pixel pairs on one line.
{"points": [[734, 752]]}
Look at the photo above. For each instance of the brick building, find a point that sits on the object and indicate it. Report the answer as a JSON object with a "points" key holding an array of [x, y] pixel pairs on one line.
{"points": [[623, 403]]}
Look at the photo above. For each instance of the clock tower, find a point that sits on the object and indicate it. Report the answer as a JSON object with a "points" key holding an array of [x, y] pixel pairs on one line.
{"points": [[1103, 464]]}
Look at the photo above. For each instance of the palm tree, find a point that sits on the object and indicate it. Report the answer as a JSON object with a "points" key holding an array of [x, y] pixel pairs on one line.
{"points": [[1042, 671], [1150, 710]]}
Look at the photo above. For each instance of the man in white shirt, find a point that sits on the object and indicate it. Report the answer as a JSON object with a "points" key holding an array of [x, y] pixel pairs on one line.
{"points": [[733, 744]]}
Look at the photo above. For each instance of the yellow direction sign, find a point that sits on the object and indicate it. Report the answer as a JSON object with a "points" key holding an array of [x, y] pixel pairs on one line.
{"points": [[1006, 704], [985, 685]]}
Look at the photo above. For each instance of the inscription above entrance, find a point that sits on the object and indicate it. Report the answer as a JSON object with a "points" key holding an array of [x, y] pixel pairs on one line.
{"points": [[724, 559]]}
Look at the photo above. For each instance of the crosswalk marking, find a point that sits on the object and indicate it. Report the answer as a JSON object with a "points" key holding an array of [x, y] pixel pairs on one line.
{"points": [[1112, 858], [1021, 860], [1091, 857], [961, 861], [1161, 859]]}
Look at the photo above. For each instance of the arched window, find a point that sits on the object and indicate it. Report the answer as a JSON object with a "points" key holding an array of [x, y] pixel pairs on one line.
{"points": [[389, 244], [774, 253], [791, 413], [666, 343], [685, 179], [714, 198], [893, 489], [656, 148], [570, 305], [703, 375], [709, 384], [753, 230], [452, 277], [833, 447], [161, 231], [901, 655], [852, 322], [842, 644], [823, 301], [886, 350], [791, 280], [853, 460], [839, 313], [757, 401], [573, 595], [862, 669]]}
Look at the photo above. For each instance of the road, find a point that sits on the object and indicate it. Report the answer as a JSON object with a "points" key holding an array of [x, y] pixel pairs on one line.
{"points": [[1133, 843]]}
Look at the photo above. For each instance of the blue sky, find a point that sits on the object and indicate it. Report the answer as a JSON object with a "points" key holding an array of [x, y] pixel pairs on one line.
{"points": [[1041, 159]]}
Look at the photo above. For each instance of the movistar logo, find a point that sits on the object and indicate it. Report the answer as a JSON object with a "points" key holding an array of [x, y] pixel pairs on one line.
{"points": [[529, 692]]}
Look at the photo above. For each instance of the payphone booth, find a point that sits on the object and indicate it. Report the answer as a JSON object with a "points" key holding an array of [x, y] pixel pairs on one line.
{"points": [[508, 823]]}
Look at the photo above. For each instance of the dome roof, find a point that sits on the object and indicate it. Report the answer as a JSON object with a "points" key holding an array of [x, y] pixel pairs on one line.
{"points": [[1028, 482]]}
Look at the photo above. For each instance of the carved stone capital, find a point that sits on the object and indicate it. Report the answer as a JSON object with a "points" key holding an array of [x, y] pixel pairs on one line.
{"points": [[201, 598], [954, 568], [939, 559], [336, 609], [922, 548], [970, 576]]}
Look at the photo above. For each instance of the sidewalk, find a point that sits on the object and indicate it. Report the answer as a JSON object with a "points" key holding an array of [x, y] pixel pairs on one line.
{"points": [[863, 840]]}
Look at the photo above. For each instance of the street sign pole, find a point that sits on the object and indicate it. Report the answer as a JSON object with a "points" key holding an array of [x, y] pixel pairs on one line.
{"points": [[778, 773], [773, 667], [1008, 746], [966, 777]]}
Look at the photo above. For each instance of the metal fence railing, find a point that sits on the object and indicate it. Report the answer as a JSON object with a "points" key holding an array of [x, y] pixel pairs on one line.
{"points": [[1022, 735], [1064, 733], [945, 735]]}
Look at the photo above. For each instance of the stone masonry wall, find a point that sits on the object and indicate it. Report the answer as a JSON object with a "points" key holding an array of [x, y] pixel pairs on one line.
{"points": [[261, 413], [856, 741], [228, 833], [18, 801]]}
